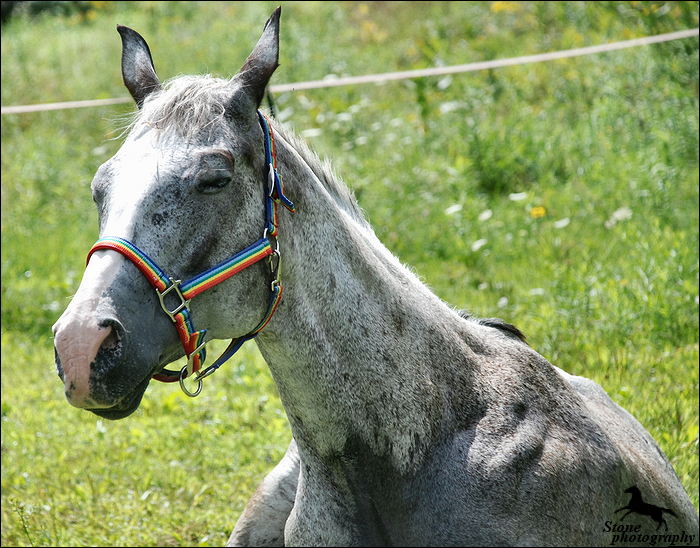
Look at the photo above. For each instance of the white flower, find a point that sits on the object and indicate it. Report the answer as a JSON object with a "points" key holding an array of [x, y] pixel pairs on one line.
{"points": [[445, 82], [476, 246], [450, 106], [622, 214], [485, 215]]}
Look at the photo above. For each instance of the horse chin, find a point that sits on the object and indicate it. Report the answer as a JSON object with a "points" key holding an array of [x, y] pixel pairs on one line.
{"points": [[126, 406]]}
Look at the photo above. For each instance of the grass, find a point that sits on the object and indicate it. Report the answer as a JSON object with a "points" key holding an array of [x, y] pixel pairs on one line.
{"points": [[562, 197]]}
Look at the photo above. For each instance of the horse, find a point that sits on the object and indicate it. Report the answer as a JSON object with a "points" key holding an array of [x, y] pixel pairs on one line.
{"points": [[412, 424], [637, 505]]}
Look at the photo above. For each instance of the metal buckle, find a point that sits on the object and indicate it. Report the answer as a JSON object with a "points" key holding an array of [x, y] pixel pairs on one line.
{"points": [[190, 358], [183, 303]]}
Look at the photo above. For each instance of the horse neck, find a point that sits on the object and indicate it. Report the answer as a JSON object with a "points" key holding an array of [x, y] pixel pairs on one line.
{"points": [[358, 345]]}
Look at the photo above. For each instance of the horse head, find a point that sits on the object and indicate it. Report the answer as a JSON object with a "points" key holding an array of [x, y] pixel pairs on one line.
{"points": [[187, 187]]}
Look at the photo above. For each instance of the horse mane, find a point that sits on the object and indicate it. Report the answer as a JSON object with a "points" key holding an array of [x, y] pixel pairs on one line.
{"points": [[188, 105], [496, 323], [184, 106]]}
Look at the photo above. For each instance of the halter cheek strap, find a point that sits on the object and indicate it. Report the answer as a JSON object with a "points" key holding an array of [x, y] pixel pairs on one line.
{"points": [[193, 341]]}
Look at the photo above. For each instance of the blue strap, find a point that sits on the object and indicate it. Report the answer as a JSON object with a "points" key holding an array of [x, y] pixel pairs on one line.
{"points": [[276, 188], [236, 343]]}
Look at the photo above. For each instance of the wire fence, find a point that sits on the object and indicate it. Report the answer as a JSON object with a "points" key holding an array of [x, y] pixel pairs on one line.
{"points": [[400, 75]]}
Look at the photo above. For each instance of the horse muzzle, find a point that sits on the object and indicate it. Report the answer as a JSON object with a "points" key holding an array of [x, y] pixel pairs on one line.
{"points": [[92, 367], [86, 351], [102, 355]]}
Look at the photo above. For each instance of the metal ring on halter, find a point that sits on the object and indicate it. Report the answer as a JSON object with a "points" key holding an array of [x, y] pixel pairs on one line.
{"points": [[184, 389]]}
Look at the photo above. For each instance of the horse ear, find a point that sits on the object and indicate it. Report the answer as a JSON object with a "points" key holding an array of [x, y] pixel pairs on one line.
{"points": [[263, 60], [137, 66]]}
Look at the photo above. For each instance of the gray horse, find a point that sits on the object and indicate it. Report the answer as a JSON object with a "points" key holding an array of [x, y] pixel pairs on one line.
{"points": [[413, 424]]}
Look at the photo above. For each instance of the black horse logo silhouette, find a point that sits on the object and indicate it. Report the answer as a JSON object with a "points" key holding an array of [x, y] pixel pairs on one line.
{"points": [[638, 506]]}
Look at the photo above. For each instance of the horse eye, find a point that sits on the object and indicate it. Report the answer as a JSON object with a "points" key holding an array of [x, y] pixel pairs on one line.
{"points": [[212, 185]]}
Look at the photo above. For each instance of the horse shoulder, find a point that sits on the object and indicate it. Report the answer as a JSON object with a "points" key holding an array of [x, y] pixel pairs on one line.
{"points": [[533, 447]]}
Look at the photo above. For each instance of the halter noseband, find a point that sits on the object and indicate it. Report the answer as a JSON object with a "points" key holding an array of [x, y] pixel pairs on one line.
{"points": [[193, 341]]}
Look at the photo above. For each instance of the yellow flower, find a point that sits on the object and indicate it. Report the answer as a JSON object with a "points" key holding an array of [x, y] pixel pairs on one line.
{"points": [[537, 212], [508, 7]]}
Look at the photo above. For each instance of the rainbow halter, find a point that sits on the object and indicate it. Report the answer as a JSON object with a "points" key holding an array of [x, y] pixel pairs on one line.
{"points": [[193, 341]]}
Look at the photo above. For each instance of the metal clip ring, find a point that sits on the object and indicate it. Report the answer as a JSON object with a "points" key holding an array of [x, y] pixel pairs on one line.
{"points": [[271, 180], [275, 268], [184, 389]]}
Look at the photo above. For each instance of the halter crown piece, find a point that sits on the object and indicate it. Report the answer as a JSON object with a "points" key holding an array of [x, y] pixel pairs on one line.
{"points": [[193, 341]]}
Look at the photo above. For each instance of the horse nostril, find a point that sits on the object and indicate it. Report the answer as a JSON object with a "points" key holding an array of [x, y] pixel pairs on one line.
{"points": [[111, 340], [112, 344]]}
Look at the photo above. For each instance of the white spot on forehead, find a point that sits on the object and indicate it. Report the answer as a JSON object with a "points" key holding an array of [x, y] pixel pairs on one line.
{"points": [[136, 171]]}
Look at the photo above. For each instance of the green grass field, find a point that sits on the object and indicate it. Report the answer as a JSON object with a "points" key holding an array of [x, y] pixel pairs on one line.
{"points": [[560, 196]]}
